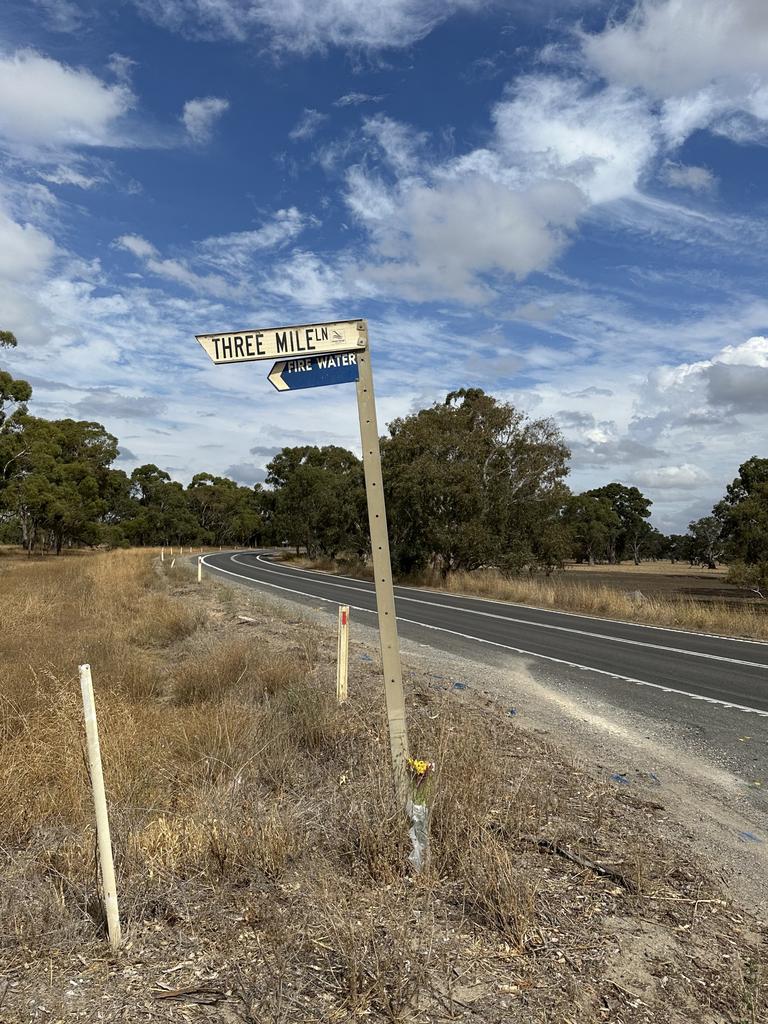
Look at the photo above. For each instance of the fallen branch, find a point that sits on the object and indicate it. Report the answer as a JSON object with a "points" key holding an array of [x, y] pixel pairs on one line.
{"points": [[583, 862]]}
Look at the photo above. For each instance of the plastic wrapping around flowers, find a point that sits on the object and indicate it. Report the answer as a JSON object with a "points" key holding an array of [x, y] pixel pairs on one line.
{"points": [[420, 774]]}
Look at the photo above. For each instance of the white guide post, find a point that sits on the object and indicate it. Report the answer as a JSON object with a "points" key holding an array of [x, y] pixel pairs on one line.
{"points": [[342, 655], [385, 594], [199, 569], [162, 554], [106, 864]]}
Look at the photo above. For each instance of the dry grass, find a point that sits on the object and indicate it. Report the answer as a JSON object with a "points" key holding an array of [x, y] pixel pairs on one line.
{"points": [[747, 620], [253, 819]]}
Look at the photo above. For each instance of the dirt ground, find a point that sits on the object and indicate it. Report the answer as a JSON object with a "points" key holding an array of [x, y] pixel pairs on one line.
{"points": [[571, 904]]}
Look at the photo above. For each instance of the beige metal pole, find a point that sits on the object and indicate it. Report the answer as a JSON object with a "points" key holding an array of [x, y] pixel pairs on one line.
{"points": [[342, 659], [108, 886], [385, 595]]}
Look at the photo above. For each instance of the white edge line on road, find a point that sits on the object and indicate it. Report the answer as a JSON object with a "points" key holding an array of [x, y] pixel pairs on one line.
{"points": [[507, 647], [516, 604], [524, 622]]}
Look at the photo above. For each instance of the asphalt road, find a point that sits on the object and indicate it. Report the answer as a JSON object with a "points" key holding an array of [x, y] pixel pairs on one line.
{"points": [[725, 673]]}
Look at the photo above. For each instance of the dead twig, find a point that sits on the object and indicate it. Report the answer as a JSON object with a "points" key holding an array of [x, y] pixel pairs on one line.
{"points": [[584, 862]]}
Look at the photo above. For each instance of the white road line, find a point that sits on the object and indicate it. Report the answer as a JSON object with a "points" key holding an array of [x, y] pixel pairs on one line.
{"points": [[533, 607], [528, 622], [507, 647]]}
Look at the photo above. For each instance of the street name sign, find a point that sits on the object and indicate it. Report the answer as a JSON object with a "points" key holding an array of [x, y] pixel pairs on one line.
{"points": [[314, 372], [282, 342]]}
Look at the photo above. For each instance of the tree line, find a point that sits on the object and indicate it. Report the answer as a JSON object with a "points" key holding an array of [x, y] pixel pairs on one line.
{"points": [[470, 481]]}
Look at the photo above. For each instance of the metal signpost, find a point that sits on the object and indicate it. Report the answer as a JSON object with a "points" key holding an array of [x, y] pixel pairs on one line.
{"points": [[306, 344]]}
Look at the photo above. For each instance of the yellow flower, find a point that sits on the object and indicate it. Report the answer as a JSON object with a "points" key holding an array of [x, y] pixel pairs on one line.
{"points": [[419, 767]]}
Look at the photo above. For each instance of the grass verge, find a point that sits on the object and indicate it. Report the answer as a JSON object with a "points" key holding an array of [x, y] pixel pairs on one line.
{"points": [[747, 619]]}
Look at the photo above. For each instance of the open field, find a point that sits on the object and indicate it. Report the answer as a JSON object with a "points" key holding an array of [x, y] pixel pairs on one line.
{"points": [[261, 862], [667, 580]]}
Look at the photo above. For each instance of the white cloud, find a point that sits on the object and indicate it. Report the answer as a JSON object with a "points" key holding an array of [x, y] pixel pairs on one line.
{"points": [[707, 60], [697, 179], [47, 106], [441, 238], [69, 175], [234, 252], [200, 115], [677, 478], [400, 146], [24, 250], [175, 270], [308, 25], [354, 99], [602, 141], [121, 67], [445, 229], [307, 124], [676, 47], [308, 281], [61, 15]]}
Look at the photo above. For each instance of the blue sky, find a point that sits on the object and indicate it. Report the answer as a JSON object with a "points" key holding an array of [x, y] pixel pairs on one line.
{"points": [[562, 202]]}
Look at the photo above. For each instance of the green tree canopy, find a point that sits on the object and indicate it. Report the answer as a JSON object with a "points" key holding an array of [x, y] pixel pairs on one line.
{"points": [[471, 481], [632, 510]]}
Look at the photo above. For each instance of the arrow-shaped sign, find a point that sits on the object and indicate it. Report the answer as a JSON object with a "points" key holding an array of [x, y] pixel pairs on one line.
{"points": [[290, 342], [314, 372]]}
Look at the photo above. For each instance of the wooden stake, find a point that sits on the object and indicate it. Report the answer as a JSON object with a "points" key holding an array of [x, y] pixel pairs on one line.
{"points": [[106, 864], [385, 594], [342, 655]]}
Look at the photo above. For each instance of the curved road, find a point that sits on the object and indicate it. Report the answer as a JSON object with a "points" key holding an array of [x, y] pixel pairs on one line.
{"points": [[724, 672]]}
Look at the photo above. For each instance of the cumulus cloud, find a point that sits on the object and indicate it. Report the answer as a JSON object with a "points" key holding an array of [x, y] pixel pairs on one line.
{"points": [[704, 59], [445, 229], [602, 141], [47, 106], [674, 47], [439, 239], [199, 117], [24, 250], [736, 377], [307, 25]]}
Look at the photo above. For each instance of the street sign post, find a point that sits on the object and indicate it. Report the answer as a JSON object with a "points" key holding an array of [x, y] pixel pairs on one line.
{"points": [[310, 342], [284, 342], [314, 372]]}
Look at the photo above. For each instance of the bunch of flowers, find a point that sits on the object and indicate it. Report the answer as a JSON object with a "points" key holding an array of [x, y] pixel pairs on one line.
{"points": [[420, 773]]}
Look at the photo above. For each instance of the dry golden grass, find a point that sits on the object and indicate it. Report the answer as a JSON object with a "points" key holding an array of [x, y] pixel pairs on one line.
{"points": [[251, 813], [747, 620]]}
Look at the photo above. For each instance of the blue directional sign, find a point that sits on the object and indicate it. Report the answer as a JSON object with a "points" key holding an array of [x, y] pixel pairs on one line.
{"points": [[314, 371]]}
